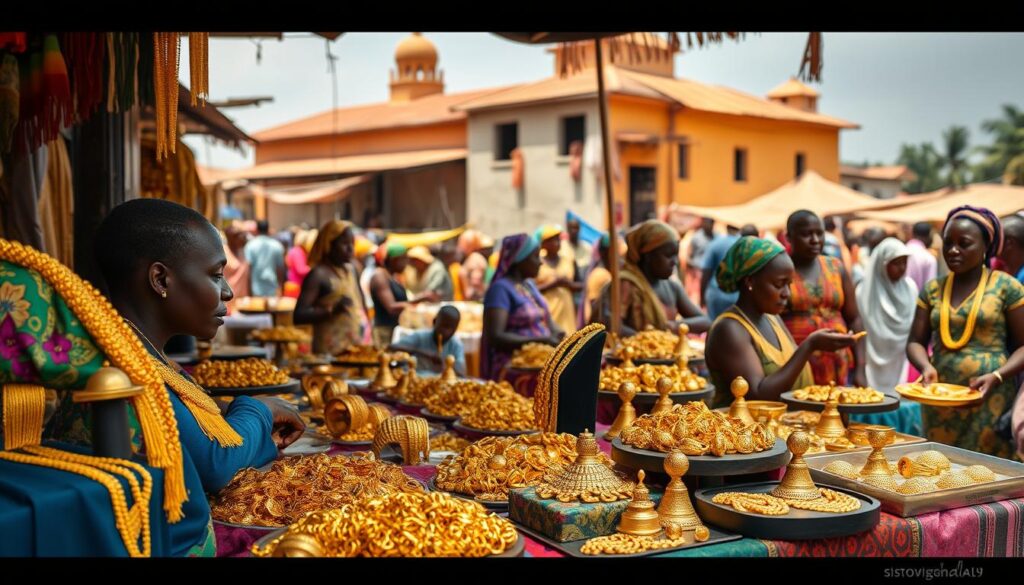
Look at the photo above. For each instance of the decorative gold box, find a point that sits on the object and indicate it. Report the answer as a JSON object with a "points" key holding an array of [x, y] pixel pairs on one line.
{"points": [[566, 522]]}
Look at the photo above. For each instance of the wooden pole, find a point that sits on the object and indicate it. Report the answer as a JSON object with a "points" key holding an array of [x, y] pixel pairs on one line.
{"points": [[613, 251]]}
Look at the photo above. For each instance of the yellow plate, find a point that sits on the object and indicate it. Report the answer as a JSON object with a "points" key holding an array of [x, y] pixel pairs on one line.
{"points": [[911, 392]]}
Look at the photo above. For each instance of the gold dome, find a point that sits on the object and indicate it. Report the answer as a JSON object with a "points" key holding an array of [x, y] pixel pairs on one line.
{"points": [[416, 48]]}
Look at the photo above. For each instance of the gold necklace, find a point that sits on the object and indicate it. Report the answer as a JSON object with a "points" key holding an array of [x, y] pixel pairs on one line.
{"points": [[203, 408], [972, 316]]}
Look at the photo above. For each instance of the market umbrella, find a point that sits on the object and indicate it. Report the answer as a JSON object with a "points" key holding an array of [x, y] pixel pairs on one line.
{"points": [[1001, 199]]}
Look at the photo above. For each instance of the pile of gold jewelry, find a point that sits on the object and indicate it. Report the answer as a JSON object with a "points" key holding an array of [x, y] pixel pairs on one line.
{"points": [[412, 389], [923, 473], [531, 355], [628, 544], [695, 429], [489, 467], [646, 376], [510, 412], [281, 333], [359, 354], [403, 525], [847, 395], [448, 442], [239, 373], [296, 485], [458, 398], [831, 501], [649, 344], [940, 390], [378, 413]]}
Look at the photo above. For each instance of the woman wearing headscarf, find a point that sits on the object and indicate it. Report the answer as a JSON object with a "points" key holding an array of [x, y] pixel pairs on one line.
{"points": [[971, 318], [555, 280], [330, 298], [595, 278], [297, 261], [515, 312], [822, 296], [649, 297], [389, 296], [749, 340]]}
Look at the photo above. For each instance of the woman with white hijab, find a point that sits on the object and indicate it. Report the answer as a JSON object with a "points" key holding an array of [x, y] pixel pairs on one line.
{"points": [[886, 299]]}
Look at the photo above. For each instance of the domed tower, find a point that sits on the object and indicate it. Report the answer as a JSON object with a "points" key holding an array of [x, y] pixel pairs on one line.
{"points": [[416, 74]]}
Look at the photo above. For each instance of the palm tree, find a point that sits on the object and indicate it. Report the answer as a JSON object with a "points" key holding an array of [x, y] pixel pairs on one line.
{"points": [[1005, 156], [924, 161], [953, 158]]}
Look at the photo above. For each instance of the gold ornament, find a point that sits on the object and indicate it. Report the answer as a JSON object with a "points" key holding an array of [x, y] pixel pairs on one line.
{"points": [[695, 429], [830, 424], [829, 501], [628, 544], [664, 403], [675, 506], [877, 464], [764, 504], [448, 376], [916, 485], [627, 412], [298, 545], [410, 433], [797, 484], [24, 405], [738, 409], [384, 379], [639, 518], [701, 533], [531, 355], [244, 373], [954, 479], [842, 469], [345, 413], [980, 473], [587, 479]]}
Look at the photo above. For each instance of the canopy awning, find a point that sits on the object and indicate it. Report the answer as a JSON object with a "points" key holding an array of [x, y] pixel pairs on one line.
{"points": [[425, 238], [771, 210], [325, 192], [1000, 199], [343, 165]]}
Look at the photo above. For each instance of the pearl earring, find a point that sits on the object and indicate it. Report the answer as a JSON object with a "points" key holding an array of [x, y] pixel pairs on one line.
{"points": [[164, 294]]}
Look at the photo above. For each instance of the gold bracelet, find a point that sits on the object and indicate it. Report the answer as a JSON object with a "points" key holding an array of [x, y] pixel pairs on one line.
{"points": [[998, 375]]}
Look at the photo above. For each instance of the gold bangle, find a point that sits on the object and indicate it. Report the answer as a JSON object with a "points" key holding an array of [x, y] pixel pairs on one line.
{"points": [[998, 375]]}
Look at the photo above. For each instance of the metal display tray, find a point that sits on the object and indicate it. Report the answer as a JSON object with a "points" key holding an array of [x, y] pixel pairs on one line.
{"points": [[899, 440], [1009, 482], [888, 403], [572, 548], [703, 465]]}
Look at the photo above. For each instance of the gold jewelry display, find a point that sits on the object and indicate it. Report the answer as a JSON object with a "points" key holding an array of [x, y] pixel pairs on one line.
{"points": [[646, 377], [927, 464], [797, 484], [411, 389], [281, 333], [738, 409], [531, 355], [675, 507], [627, 412], [403, 525], [24, 405], [244, 373], [545, 398], [972, 316], [513, 412], [664, 403], [296, 486], [650, 344], [410, 433], [628, 544], [587, 479], [845, 395], [125, 351], [376, 414], [830, 423], [877, 464], [384, 379], [765, 504], [199, 68], [493, 465], [695, 429], [459, 398], [360, 354], [640, 518], [166, 48], [829, 501], [448, 376], [345, 413], [298, 545], [448, 442]]}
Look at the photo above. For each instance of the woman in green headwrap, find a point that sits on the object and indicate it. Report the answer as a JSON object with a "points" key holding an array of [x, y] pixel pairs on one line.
{"points": [[749, 340], [388, 295], [648, 296]]}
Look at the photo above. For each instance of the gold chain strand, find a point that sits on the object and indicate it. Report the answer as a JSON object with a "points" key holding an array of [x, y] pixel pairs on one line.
{"points": [[546, 395], [125, 351], [24, 407], [159, 94], [198, 53], [117, 496], [138, 514], [972, 316], [174, 47]]}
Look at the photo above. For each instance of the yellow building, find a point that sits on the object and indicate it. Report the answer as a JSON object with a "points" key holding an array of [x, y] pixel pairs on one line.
{"points": [[429, 159]]}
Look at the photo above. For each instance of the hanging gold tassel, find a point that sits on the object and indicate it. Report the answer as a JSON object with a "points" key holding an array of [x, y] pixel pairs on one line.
{"points": [[812, 58], [24, 406], [199, 66], [165, 85]]}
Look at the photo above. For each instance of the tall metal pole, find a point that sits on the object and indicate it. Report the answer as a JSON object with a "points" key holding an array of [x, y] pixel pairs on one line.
{"points": [[613, 251]]}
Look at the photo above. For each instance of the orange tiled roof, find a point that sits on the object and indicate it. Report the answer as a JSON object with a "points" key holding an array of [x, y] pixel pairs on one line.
{"points": [[691, 94], [363, 163], [434, 109], [883, 173], [791, 88]]}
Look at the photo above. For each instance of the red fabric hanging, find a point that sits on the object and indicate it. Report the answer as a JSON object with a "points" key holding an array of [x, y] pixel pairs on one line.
{"points": [[85, 54], [15, 42]]}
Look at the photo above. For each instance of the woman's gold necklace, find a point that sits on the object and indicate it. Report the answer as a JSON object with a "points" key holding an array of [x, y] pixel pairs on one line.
{"points": [[972, 316]]}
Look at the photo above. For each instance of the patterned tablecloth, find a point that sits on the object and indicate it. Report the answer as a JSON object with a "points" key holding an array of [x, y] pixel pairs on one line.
{"points": [[986, 530]]}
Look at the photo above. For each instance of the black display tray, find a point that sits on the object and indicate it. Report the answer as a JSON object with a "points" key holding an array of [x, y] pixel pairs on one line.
{"points": [[475, 434], [796, 525], [425, 413], [887, 404], [703, 465], [647, 399], [286, 388], [572, 548]]}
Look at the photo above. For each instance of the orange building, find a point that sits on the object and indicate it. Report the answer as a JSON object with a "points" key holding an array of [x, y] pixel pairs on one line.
{"points": [[429, 159]]}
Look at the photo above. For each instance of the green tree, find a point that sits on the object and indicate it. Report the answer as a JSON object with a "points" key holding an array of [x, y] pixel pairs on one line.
{"points": [[924, 161], [1004, 158], [953, 157]]}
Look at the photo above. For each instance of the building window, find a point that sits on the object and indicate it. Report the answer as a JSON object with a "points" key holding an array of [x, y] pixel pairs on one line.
{"points": [[684, 160], [740, 165], [800, 164], [506, 139], [572, 130]]}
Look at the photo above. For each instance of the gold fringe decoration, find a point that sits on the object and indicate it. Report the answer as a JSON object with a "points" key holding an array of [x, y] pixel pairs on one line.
{"points": [[165, 87], [199, 66], [24, 406], [124, 350], [545, 397], [202, 407]]}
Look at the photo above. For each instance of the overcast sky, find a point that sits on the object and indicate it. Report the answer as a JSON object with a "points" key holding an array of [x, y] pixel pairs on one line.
{"points": [[900, 87]]}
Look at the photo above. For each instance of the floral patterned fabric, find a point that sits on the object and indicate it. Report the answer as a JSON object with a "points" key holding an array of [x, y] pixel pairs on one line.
{"points": [[986, 351], [819, 305]]}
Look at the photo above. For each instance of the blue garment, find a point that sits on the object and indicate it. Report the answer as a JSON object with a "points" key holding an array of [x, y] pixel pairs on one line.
{"points": [[425, 340], [265, 256], [47, 512], [588, 233], [831, 246], [1020, 275], [717, 301]]}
